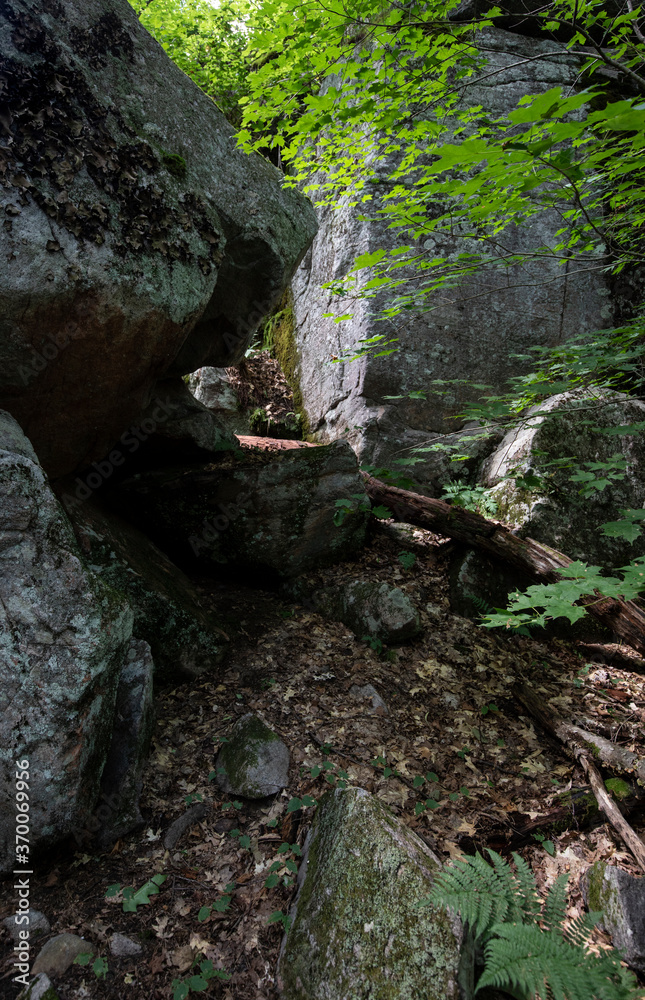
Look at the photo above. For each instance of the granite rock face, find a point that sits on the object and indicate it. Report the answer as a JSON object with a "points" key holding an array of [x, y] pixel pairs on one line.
{"points": [[254, 762], [470, 334], [137, 235], [63, 640], [266, 512], [356, 932]]}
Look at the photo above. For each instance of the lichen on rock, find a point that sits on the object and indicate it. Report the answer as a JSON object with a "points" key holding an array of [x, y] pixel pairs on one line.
{"points": [[357, 932]]}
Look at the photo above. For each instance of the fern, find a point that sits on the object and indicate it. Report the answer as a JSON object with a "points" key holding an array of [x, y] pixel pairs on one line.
{"points": [[527, 951]]}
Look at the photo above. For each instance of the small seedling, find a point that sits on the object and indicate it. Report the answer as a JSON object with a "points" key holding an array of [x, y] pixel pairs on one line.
{"points": [[374, 643], [304, 803], [407, 559], [99, 965], [278, 917], [489, 708], [198, 982], [141, 897], [278, 866], [193, 797], [548, 845], [219, 906]]}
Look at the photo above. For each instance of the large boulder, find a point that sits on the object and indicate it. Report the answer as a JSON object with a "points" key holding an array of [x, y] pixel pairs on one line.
{"points": [[470, 334], [185, 640], [63, 640], [260, 510], [369, 607], [356, 929], [136, 235]]}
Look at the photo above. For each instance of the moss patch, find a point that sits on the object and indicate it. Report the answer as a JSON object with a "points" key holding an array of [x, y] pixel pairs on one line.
{"points": [[618, 788], [174, 164], [285, 350], [358, 931]]}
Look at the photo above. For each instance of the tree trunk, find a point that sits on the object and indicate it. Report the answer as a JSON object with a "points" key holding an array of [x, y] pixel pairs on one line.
{"points": [[625, 618]]}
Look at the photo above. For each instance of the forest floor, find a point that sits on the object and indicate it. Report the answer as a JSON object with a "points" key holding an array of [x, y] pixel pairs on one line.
{"points": [[450, 718]]}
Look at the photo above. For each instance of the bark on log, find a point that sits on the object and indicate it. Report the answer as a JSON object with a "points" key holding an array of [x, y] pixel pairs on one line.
{"points": [[580, 741], [581, 750], [625, 618]]}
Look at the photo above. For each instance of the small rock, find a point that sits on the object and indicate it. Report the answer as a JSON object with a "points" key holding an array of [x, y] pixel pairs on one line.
{"points": [[621, 898], [37, 924], [40, 989], [380, 611], [122, 946], [255, 761], [367, 691], [59, 953]]}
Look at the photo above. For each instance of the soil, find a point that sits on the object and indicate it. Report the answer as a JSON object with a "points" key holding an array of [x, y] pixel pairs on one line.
{"points": [[450, 720]]}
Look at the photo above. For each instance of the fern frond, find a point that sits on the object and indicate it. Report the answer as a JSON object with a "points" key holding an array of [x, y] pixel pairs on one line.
{"points": [[579, 931], [533, 964], [527, 895], [480, 894], [555, 904]]}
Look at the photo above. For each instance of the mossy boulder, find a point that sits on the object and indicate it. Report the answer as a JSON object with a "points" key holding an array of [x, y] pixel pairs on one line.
{"points": [[368, 607], [40, 988], [139, 236], [254, 762], [64, 633], [545, 504], [357, 932], [621, 899]]}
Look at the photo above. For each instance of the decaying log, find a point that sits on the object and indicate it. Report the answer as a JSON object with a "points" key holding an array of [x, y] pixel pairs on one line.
{"points": [[625, 618], [613, 655], [578, 740], [613, 814], [582, 745]]}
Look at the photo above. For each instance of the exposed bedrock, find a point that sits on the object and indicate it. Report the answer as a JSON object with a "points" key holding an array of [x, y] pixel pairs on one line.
{"points": [[136, 236], [470, 333]]}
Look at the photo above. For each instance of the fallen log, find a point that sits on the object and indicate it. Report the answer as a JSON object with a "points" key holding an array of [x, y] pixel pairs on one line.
{"points": [[581, 740], [582, 750], [541, 562]]}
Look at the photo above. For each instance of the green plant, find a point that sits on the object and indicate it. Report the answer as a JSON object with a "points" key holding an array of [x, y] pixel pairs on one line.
{"points": [[277, 869], [528, 950], [278, 917], [475, 498], [304, 803], [198, 981], [219, 906], [374, 643], [99, 965], [548, 845], [407, 559], [141, 897]]}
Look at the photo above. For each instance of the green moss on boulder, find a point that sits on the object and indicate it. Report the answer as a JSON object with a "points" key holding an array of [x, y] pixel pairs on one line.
{"points": [[357, 932], [255, 762]]}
